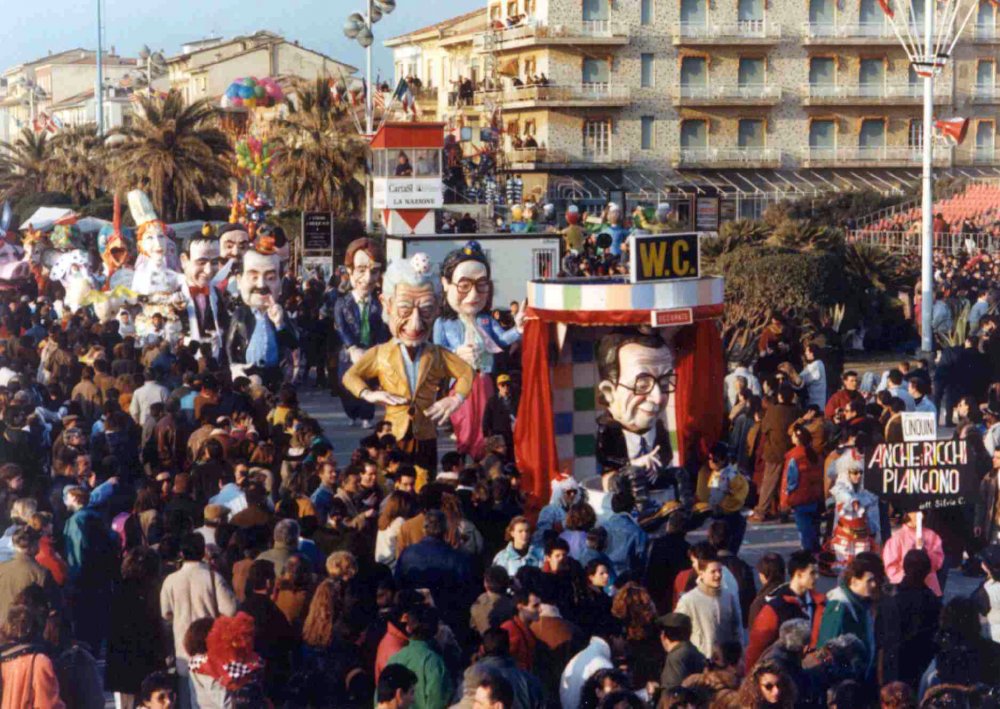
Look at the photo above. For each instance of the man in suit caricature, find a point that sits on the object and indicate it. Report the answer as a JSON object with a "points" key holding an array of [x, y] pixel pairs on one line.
{"points": [[409, 370], [636, 380], [204, 319], [357, 318]]}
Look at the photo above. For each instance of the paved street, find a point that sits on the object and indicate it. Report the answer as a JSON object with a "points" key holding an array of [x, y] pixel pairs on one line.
{"points": [[760, 539]]}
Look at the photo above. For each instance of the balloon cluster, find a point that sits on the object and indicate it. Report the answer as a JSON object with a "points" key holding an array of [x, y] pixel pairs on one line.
{"points": [[252, 93], [253, 157]]}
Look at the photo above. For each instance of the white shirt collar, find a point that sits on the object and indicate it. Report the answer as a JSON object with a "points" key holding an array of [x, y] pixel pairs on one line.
{"points": [[633, 441]]}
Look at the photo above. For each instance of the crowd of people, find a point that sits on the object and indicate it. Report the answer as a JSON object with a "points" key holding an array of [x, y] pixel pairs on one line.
{"points": [[183, 538]]}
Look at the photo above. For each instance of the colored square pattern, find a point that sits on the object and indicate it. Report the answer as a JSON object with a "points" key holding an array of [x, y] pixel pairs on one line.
{"points": [[583, 399], [562, 376], [564, 423], [581, 351], [584, 446]]}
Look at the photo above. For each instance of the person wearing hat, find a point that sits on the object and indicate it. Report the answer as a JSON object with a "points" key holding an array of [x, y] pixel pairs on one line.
{"points": [[683, 658], [500, 413]]}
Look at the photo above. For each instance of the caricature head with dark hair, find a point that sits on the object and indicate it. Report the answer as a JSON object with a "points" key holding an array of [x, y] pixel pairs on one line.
{"points": [[466, 278]]}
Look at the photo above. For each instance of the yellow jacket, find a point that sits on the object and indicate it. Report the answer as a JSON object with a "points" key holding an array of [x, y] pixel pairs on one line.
{"points": [[726, 488], [385, 364]]}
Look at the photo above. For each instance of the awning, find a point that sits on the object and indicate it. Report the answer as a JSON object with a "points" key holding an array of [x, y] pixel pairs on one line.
{"points": [[45, 218]]}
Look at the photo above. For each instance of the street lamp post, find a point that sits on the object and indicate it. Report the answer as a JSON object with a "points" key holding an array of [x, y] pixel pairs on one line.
{"points": [[359, 27], [99, 86]]}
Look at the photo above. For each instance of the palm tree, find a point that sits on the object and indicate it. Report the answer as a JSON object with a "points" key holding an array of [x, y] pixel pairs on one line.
{"points": [[320, 159], [174, 152], [77, 167], [24, 164]]}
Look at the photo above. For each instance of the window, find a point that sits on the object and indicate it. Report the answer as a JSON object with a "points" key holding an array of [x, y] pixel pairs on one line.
{"points": [[694, 135], [529, 127], [750, 133], [822, 76], [751, 74], [529, 67], [597, 138], [511, 8], [648, 124], [646, 78], [985, 19], [646, 12], [871, 138], [694, 75], [915, 134], [595, 11], [985, 77], [596, 71], [821, 16], [871, 77], [822, 138], [429, 77], [984, 141], [751, 15], [693, 13], [871, 19]]}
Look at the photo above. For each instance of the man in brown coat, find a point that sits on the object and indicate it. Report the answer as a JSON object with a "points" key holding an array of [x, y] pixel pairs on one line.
{"points": [[776, 442], [169, 438], [87, 395]]}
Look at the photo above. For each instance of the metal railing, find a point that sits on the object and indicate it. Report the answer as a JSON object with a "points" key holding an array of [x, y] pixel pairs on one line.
{"points": [[735, 92], [603, 91], [845, 30], [743, 29], [728, 155], [584, 29], [984, 92], [871, 91], [549, 156], [864, 155], [983, 32], [908, 242]]}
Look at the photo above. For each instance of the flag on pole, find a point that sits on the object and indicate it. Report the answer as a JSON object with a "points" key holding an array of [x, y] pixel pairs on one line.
{"points": [[953, 129], [379, 99]]}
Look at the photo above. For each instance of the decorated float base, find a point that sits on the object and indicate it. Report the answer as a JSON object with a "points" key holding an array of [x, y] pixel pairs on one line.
{"points": [[565, 318]]}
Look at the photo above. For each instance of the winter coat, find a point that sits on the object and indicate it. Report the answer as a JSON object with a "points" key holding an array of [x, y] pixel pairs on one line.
{"points": [[136, 644], [512, 561], [393, 641], [434, 688], [593, 658], [903, 540], [801, 479], [905, 625], [558, 640], [682, 662], [522, 643], [847, 612], [28, 678], [774, 429], [446, 572], [626, 543], [780, 605], [80, 683], [19, 573], [553, 515], [528, 691], [986, 504], [191, 593]]}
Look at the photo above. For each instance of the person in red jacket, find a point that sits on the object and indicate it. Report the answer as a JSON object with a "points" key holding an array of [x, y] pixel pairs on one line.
{"points": [[847, 392], [802, 487], [795, 599], [522, 641]]}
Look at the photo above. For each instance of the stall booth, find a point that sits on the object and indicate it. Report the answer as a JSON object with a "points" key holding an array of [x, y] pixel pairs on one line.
{"points": [[406, 176], [665, 295]]}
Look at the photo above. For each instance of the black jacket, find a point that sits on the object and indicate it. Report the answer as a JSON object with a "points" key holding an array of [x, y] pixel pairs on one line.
{"points": [[496, 416], [612, 451]]}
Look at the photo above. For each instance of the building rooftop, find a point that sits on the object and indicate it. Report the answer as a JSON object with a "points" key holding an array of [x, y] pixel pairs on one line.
{"points": [[438, 27]]}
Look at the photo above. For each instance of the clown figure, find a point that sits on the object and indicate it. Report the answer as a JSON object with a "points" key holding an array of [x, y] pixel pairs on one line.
{"points": [[358, 320], [467, 329], [259, 334], [615, 229]]}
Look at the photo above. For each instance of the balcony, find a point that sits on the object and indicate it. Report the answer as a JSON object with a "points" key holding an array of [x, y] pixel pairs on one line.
{"points": [[983, 34], [732, 157], [871, 94], [687, 95], [885, 156], [978, 155], [589, 95], [848, 33], [985, 94], [744, 33], [538, 34], [538, 158]]}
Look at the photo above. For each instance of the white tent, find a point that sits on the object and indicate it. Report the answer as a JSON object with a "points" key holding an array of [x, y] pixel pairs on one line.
{"points": [[91, 225], [45, 218]]}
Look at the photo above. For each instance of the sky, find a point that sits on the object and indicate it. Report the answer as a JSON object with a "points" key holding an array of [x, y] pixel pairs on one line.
{"points": [[31, 28]]}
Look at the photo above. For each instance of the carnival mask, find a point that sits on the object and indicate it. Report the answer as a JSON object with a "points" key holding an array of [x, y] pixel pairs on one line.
{"points": [[645, 381], [468, 290], [411, 311], [201, 263], [260, 281]]}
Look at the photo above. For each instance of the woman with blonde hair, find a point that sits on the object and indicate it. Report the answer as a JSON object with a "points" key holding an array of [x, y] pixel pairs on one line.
{"points": [[519, 551], [462, 534], [634, 607], [399, 507], [325, 609], [341, 566]]}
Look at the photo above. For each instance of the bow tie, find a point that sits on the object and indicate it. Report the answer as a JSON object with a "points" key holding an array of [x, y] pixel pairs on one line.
{"points": [[198, 290]]}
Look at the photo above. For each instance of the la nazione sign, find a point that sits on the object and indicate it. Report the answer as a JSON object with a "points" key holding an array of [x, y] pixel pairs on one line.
{"points": [[407, 193]]}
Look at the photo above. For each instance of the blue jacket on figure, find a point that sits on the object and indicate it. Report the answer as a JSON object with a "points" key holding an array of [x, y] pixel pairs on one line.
{"points": [[450, 334], [347, 322]]}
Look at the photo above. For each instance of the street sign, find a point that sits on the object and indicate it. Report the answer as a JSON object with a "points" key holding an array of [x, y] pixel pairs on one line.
{"points": [[317, 231], [664, 257]]}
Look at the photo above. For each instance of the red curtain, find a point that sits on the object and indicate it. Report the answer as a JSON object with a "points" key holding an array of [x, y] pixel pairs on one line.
{"points": [[700, 373], [534, 434]]}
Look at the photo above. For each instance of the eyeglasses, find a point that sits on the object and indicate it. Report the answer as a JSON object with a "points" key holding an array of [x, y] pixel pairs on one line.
{"points": [[644, 383], [465, 285]]}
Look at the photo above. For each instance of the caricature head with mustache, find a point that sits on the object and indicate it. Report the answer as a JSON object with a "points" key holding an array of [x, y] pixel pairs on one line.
{"points": [[260, 281]]}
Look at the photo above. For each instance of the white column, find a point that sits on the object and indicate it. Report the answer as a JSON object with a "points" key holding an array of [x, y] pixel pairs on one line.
{"points": [[369, 96], [927, 210]]}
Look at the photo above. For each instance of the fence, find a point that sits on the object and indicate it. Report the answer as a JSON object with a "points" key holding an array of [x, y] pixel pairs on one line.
{"points": [[904, 242]]}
